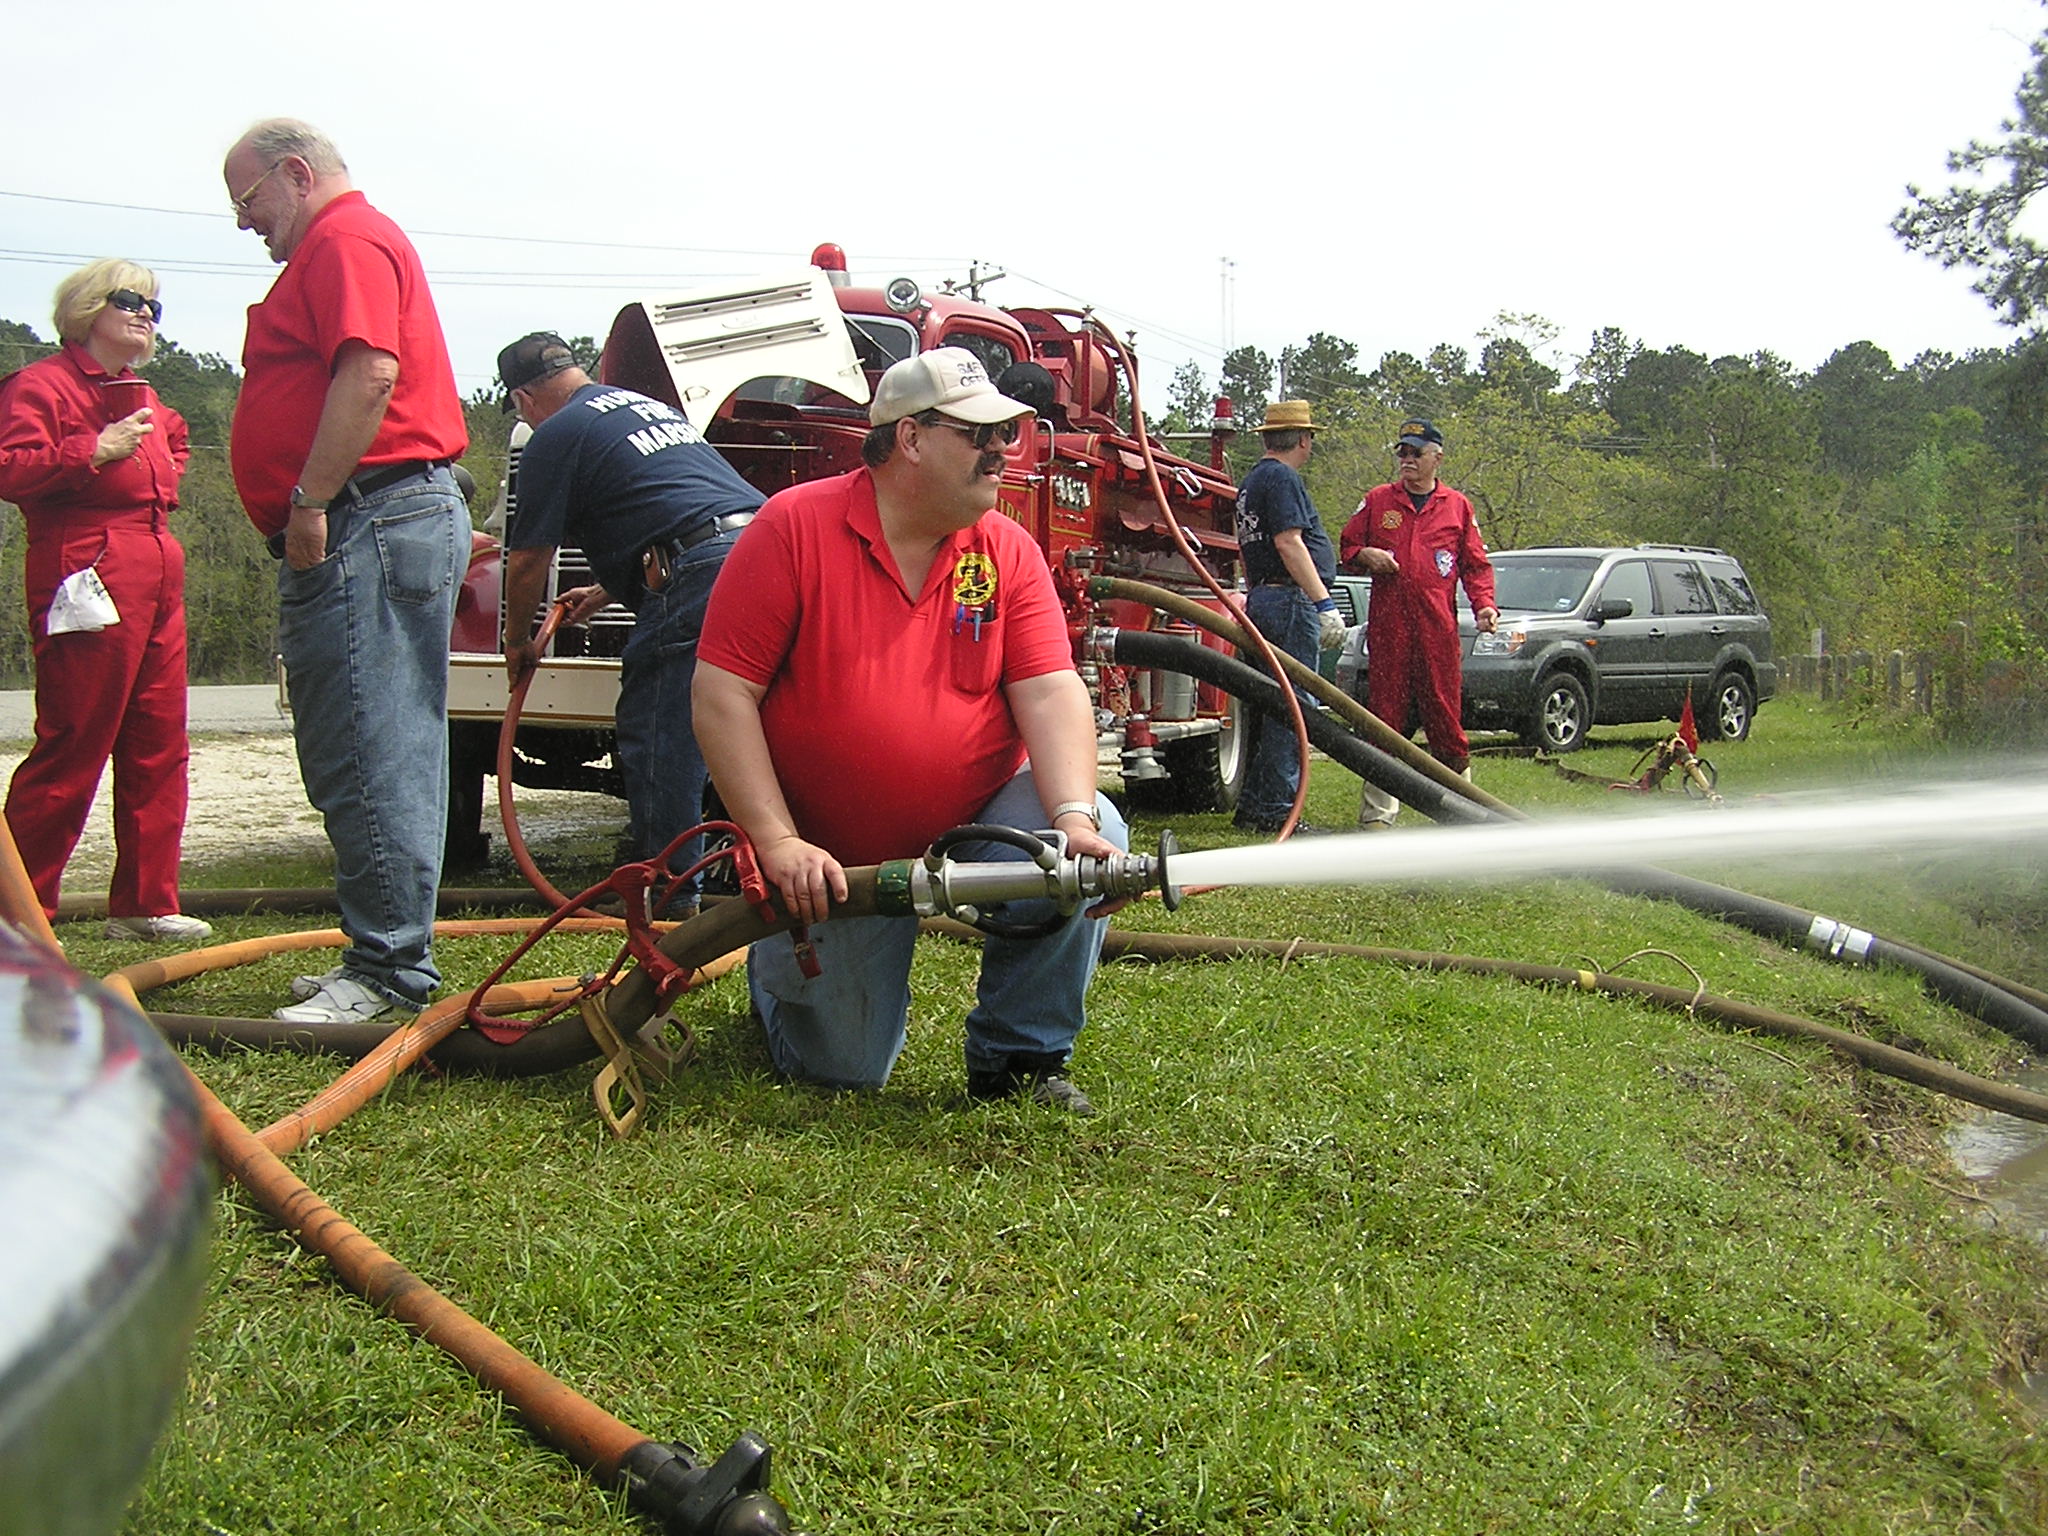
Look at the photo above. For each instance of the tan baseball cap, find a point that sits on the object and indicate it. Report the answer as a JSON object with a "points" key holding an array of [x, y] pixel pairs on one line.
{"points": [[949, 379]]}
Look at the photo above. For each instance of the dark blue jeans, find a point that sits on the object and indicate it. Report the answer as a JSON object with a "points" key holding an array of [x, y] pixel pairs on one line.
{"points": [[1285, 616], [658, 755]]}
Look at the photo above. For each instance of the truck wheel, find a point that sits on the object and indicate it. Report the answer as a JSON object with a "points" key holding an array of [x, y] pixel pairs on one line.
{"points": [[472, 752], [1203, 773], [1732, 708], [1563, 714]]}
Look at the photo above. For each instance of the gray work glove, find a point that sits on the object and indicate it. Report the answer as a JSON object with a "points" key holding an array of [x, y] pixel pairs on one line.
{"points": [[1330, 623]]}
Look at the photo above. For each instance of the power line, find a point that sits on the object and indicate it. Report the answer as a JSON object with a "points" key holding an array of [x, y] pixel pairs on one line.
{"points": [[469, 234]]}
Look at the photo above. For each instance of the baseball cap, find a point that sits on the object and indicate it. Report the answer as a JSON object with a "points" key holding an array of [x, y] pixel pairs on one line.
{"points": [[1416, 432], [532, 358], [949, 379]]}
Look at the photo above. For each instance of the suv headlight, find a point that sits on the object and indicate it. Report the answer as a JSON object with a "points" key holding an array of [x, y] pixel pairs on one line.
{"points": [[1502, 642]]}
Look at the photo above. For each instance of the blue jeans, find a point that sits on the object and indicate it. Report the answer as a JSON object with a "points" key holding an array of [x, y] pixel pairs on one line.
{"points": [[658, 756], [364, 635], [1285, 616], [845, 1026]]}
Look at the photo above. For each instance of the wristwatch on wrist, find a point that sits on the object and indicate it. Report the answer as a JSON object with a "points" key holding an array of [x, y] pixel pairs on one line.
{"points": [[301, 499], [1080, 808]]}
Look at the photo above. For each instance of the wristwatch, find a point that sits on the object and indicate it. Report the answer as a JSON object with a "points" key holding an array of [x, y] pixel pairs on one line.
{"points": [[311, 504], [1080, 807]]}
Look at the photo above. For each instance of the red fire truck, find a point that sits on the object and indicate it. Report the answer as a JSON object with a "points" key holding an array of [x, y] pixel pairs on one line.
{"points": [[777, 374]]}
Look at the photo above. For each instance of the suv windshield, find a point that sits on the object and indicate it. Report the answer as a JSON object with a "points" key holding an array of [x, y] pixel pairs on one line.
{"points": [[1541, 583]]}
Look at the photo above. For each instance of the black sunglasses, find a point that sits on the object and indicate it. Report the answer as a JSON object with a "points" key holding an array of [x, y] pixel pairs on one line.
{"points": [[134, 303], [1407, 451], [983, 433]]}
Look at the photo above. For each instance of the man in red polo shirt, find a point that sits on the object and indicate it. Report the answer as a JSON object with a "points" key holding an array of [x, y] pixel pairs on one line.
{"points": [[344, 434], [884, 658]]}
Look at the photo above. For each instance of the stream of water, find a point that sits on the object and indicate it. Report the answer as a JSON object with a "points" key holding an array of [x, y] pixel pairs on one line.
{"points": [[1956, 817]]}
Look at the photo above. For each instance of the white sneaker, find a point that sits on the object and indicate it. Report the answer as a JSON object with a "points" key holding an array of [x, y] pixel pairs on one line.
{"points": [[171, 925], [345, 1001], [304, 987]]}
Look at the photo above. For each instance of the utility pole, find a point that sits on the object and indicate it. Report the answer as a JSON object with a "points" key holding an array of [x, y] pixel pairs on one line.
{"points": [[1227, 302], [976, 277]]}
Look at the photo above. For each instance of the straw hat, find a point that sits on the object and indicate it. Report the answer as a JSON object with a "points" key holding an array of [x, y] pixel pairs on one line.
{"points": [[1287, 416]]}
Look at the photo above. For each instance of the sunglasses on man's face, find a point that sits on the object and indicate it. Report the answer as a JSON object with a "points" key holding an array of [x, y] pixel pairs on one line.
{"points": [[133, 303], [1405, 451], [985, 433]]}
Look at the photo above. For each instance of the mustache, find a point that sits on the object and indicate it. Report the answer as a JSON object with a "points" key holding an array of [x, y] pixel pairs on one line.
{"points": [[989, 464]]}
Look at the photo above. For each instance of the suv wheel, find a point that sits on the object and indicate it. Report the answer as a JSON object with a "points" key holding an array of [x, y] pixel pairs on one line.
{"points": [[1733, 707], [1563, 714]]}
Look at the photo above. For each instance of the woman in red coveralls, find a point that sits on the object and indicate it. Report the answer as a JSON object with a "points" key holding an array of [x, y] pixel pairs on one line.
{"points": [[92, 458]]}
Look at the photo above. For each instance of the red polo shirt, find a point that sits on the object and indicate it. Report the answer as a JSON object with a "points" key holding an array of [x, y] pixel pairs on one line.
{"points": [[354, 277], [885, 714]]}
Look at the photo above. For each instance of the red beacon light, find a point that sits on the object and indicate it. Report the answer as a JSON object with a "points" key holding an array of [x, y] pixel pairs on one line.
{"points": [[831, 260]]}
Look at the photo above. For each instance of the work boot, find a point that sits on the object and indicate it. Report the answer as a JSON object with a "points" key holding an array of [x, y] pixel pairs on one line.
{"points": [[1042, 1079]]}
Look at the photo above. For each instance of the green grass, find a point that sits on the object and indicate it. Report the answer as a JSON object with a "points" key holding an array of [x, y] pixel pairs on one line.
{"points": [[1349, 1249]]}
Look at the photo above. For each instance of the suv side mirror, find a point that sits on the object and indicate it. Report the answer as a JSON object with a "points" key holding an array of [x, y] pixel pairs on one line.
{"points": [[1612, 608]]}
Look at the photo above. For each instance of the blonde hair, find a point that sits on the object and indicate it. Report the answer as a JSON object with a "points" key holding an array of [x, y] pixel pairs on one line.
{"points": [[82, 295]]}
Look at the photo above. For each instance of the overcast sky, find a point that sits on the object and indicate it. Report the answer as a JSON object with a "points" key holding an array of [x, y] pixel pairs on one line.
{"points": [[1719, 177]]}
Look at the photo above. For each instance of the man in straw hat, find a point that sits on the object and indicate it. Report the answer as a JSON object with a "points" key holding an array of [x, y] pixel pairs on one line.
{"points": [[1288, 565]]}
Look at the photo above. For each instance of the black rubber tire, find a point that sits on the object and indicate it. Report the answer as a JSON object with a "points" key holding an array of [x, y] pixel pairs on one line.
{"points": [[1562, 715], [472, 753], [1203, 773], [1731, 708]]}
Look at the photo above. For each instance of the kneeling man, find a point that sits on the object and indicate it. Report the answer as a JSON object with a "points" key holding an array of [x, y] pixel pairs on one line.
{"points": [[885, 658]]}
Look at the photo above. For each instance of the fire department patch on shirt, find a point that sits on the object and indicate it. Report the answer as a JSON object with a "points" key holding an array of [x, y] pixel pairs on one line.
{"points": [[1444, 562], [1390, 519], [974, 579]]}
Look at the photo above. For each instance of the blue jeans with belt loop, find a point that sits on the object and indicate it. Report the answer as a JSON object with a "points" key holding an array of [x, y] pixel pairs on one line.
{"points": [[1285, 616], [658, 755], [364, 636], [845, 1027]]}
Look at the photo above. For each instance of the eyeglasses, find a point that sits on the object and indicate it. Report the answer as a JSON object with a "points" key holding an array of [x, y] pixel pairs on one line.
{"points": [[981, 434], [1407, 451], [135, 304], [242, 203]]}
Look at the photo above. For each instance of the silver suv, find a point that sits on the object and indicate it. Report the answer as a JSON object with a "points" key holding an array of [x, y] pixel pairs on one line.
{"points": [[1615, 636]]}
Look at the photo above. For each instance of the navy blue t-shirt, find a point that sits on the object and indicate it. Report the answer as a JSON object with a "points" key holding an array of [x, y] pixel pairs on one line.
{"points": [[1270, 500], [613, 472]]}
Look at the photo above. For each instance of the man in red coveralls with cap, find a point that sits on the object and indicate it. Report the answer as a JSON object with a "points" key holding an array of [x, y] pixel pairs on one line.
{"points": [[344, 436], [1418, 539]]}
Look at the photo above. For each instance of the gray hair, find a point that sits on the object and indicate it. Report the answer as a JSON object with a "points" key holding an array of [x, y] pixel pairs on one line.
{"points": [[279, 138], [1286, 440]]}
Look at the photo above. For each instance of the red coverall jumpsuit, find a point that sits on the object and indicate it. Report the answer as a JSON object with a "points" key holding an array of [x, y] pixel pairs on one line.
{"points": [[1414, 659], [118, 692]]}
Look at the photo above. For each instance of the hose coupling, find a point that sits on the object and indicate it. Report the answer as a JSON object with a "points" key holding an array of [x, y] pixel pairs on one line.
{"points": [[942, 886]]}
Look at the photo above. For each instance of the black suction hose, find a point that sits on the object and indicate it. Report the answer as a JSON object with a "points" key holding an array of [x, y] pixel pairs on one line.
{"points": [[1150, 649]]}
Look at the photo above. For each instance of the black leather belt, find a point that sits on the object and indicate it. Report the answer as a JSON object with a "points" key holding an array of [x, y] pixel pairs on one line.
{"points": [[703, 533], [657, 560], [367, 483]]}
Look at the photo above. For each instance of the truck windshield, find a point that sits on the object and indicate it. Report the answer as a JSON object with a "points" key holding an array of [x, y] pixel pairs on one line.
{"points": [[1541, 584], [881, 341]]}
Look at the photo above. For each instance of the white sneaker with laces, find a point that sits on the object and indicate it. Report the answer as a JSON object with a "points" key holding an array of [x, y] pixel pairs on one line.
{"points": [[304, 987], [345, 1001], [171, 925]]}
